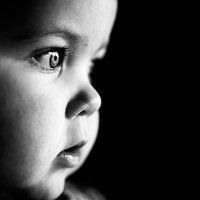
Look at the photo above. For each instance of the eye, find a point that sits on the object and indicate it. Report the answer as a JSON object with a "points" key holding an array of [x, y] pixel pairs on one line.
{"points": [[48, 60]]}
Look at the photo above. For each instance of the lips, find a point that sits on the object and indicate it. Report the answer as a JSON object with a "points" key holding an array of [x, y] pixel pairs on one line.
{"points": [[71, 156]]}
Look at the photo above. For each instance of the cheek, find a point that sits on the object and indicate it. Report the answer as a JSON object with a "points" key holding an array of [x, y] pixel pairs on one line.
{"points": [[33, 127], [28, 127]]}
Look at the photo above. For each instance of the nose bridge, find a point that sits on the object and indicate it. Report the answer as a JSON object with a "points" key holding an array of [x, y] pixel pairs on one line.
{"points": [[85, 102]]}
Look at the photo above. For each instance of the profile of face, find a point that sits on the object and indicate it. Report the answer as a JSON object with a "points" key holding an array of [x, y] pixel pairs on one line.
{"points": [[48, 107]]}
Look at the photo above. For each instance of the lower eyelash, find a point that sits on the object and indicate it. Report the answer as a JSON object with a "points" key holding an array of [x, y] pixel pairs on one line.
{"points": [[41, 68]]}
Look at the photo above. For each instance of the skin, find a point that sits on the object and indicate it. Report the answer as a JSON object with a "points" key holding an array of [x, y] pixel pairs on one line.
{"points": [[44, 112]]}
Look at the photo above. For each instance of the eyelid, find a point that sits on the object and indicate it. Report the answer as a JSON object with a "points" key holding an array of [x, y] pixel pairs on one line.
{"points": [[64, 51], [39, 52]]}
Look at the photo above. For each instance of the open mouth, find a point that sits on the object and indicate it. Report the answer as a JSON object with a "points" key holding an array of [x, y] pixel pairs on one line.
{"points": [[71, 156]]}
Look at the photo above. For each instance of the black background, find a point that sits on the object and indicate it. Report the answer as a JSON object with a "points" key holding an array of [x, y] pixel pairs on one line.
{"points": [[135, 153], [109, 167], [139, 152]]}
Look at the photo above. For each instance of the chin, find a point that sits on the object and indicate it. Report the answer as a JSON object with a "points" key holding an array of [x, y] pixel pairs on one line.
{"points": [[54, 188], [49, 188]]}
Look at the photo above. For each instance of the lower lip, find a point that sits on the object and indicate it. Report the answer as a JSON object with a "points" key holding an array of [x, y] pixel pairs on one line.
{"points": [[68, 160]]}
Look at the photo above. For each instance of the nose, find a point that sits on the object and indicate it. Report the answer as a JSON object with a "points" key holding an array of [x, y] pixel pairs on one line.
{"points": [[85, 102]]}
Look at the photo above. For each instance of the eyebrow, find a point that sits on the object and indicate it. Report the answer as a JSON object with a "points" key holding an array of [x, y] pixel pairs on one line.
{"points": [[33, 33], [75, 38]]}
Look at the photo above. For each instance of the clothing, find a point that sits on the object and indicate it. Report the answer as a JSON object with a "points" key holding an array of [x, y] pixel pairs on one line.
{"points": [[72, 192]]}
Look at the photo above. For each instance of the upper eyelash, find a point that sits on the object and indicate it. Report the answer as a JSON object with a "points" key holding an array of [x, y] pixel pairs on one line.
{"points": [[39, 52]]}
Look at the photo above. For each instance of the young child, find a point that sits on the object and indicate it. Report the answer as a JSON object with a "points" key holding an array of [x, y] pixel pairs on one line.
{"points": [[48, 107]]}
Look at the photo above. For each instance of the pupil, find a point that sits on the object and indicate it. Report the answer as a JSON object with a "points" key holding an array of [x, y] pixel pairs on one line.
{"points": [[53, 60]]}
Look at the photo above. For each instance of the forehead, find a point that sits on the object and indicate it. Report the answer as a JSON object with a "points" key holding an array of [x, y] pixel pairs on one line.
{"points": [[88, 17]]}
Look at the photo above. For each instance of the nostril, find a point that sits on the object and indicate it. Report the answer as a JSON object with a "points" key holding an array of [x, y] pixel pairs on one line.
{"points": [[76, 109], [85, 102]]}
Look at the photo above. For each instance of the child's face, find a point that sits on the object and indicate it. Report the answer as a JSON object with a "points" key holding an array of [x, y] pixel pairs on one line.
{"points": [[47, 103]]}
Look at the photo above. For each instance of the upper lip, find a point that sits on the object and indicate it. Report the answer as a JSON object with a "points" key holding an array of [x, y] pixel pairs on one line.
{"points": [[76, 147]]}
